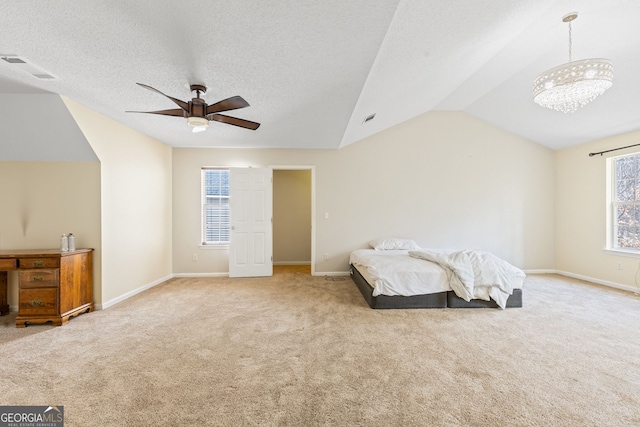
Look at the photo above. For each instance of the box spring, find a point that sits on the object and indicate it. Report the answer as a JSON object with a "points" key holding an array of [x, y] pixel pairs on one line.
{"points": [[454, 301], [435, 300]]}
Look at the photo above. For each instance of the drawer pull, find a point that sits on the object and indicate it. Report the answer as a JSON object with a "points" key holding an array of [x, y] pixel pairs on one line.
{"points": [[37, 303], [38, 263], [38, 278]]}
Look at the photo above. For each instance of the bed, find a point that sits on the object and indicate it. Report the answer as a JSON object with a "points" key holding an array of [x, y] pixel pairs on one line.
{"points": [[397, 273], [393, 279]]}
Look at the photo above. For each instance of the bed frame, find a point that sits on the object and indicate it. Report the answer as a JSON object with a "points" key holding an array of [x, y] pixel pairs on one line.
{"points": [[454, 301], [435, 300]]}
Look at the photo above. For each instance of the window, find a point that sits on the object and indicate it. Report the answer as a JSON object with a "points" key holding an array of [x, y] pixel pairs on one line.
{"points": [[625, 202], [215, 206]]}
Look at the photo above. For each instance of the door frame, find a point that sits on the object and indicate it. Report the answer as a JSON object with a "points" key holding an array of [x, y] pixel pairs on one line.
{"points": [[313, 206]]}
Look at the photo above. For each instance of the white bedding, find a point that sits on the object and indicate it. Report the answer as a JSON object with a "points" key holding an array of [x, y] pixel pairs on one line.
{"points": [[470, 274], [476, 274], [394, 272]]}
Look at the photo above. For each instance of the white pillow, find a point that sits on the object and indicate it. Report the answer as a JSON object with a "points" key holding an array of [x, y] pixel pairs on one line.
{"points": [[393, 244]]}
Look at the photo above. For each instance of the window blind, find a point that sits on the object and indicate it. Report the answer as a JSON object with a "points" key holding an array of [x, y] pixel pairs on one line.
{"points": [[215, 218]]}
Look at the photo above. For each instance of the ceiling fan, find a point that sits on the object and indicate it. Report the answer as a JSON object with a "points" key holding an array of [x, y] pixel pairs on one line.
{"points": [[198, 113]]}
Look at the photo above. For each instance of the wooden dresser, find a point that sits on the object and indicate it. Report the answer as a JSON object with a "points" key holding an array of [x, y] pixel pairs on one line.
{"points": [[53, 285]]}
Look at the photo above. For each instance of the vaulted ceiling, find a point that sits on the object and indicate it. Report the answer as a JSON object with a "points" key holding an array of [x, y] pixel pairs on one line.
{"points": [[314, 70]]}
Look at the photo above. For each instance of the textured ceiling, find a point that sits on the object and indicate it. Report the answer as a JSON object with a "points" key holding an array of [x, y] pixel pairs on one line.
{"points": [[313, 70]]}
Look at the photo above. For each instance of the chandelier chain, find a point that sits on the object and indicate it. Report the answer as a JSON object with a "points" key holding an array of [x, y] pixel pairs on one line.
{"points": [[570, 42]]}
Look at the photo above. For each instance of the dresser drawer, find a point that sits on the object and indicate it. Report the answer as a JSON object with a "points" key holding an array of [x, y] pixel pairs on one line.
{"points": [[39, 262], [7, 264], [43, 278], [42, 301]]}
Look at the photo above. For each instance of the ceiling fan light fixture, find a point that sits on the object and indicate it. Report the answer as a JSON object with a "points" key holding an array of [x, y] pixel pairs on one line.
{"points": [[570, 86], [197, 122]]}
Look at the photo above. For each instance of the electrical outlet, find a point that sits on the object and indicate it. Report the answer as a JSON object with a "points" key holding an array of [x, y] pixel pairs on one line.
{"points": [[619, 266], [194, 257], [326, 256]]}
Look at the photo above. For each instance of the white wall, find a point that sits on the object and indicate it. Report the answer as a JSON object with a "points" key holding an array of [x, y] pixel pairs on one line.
{"points": [[136, 204], [53, 137], [581, 214], [42, 200], [444, 179]]}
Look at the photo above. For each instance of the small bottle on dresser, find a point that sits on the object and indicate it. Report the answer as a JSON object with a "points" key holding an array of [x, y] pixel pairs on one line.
{"points": [[72, 242]]}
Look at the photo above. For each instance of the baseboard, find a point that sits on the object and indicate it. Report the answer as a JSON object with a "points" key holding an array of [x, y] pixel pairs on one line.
{"points": [[539, 271], [586, 279], [599, 282], [341, 273], [132, 293], [332, 273], [201, 275], [292, 263]]}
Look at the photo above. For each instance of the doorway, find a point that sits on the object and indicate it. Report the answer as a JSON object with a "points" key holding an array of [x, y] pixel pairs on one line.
{"points": [[293, 216]]}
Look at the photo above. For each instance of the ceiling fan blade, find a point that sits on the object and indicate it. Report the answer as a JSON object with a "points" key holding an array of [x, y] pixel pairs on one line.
{"points": [[181, 104], [234, 121], [178, 112], [232, 103]]}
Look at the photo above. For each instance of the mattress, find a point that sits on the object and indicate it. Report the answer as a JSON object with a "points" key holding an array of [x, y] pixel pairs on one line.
{"points": [[394, 272], [436, 300]]}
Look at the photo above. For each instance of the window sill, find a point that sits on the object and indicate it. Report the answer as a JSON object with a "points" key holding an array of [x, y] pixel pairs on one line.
{"points": [[214, 247], [622, 252]]}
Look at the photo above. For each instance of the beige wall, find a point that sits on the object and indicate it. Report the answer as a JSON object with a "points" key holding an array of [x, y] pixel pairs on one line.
{"points": [[42, 200], [291, 216], [136, 204], [581, 214], [444, 179]]}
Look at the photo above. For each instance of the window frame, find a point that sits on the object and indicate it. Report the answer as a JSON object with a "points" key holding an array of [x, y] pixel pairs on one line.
{"points": [[204, 206], [612, 244]]}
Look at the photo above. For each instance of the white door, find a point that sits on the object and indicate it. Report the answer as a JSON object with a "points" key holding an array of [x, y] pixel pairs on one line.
{"points": [[251, 206]]}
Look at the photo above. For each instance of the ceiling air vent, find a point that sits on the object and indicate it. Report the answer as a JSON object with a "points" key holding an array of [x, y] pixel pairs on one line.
{"points": [[369, 118], [13, 60], [24, 65]]}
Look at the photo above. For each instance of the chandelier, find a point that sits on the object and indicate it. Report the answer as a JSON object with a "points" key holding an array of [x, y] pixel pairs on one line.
{"points": [[570, 86]]}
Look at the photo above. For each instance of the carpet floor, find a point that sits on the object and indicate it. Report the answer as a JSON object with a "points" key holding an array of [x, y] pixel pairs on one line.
{"points": [[298, 350]]}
